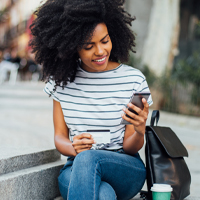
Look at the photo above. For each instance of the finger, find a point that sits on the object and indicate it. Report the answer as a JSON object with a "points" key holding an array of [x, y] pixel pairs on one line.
{"points": [[86, 135], [82, 147], [135, 108], [146, 105], [87, 141], [82, 135], [81, 150], [130, 113], [77, 147], [83, 142], [133, 118], [132, 121]]}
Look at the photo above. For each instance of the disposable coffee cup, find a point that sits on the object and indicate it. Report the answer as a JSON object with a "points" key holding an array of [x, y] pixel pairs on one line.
{"points": [[161, 191]]}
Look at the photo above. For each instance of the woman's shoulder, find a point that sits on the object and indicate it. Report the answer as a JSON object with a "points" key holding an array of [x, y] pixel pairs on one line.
{"points": [[130, 70]]}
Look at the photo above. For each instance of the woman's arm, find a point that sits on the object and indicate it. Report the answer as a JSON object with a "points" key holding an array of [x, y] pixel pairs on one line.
{"points": [[134, 133], [61, 132], [63, 144]]}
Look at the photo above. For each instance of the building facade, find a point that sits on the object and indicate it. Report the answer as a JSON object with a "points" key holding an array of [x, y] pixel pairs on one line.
{"points": [[15, 16]]}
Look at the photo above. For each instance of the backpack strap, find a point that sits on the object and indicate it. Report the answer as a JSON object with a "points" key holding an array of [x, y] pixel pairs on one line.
{"points": [[146, 195], [155, 116]]}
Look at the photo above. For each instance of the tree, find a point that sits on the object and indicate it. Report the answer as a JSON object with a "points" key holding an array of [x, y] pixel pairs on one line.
{"points": [[161, 44]]}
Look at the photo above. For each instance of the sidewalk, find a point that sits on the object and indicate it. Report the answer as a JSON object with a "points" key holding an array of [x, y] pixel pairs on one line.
{"points": [[26, 126]]}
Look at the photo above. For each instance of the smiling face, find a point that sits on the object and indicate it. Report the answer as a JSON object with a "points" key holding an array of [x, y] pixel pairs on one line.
{"points": [[95, 54]]}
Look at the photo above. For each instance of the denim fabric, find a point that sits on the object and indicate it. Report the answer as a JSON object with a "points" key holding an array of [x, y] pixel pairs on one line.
{"points": [[103, 175]]}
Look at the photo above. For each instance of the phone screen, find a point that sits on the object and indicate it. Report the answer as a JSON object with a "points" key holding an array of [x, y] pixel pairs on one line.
{"points": [[136, 99]]}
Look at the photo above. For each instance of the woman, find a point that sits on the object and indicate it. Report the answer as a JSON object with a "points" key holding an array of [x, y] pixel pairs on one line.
{"points": [[80, 44]]}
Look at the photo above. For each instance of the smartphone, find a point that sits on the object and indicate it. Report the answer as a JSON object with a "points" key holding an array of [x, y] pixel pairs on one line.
{"points": [[136, 99]]}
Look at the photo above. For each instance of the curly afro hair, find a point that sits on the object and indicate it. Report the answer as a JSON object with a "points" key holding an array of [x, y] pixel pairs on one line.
{"points": [[62, 27]]}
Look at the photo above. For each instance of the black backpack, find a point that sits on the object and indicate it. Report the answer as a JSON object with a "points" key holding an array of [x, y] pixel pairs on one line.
{"points": [[165, 164]]}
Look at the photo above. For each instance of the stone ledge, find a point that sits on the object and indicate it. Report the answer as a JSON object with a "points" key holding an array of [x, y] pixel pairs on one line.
{"points": [[17, 163], [38, 182]]}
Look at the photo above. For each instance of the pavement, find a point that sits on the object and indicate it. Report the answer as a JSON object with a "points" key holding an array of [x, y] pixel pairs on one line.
{"points": [[26, 126]]}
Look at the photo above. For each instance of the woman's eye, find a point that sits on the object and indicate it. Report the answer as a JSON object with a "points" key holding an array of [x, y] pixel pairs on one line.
{"points": [[88, 48], [104, 42]]}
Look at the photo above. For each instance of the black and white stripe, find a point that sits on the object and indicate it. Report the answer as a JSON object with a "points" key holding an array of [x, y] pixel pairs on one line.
{"points": [[95, 100]]}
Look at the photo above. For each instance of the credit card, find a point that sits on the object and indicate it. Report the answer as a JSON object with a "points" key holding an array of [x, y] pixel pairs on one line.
{"points": [[100, 136]]}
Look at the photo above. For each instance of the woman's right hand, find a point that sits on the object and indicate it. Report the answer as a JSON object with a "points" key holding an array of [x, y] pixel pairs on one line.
{"points": [[82, 142]]}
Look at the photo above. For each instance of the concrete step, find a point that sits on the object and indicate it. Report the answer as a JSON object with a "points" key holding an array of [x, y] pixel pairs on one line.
{"points": [[34, 177], [16, 163], [34, 183]]}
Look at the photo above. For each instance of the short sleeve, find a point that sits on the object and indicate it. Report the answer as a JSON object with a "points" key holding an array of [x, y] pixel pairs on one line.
{"points": [[49, 87], [143, 87]]}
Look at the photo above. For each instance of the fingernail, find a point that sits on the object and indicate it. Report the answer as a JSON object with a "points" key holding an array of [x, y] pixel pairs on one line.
{"points": [[124, 109]]}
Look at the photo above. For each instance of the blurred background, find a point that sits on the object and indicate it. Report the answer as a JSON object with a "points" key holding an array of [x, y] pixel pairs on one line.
{"points": [[168, 53], [167, 46], [17, 60]]}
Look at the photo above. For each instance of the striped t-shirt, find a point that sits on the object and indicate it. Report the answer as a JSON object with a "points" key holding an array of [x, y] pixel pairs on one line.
{"points": [[95, 101]]}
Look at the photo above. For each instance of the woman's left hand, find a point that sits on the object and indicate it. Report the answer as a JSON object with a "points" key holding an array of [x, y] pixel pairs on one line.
{"points": [[138, 121]]}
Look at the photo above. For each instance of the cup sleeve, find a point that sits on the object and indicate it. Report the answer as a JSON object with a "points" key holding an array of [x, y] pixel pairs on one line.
{"points": [[49, 89]]}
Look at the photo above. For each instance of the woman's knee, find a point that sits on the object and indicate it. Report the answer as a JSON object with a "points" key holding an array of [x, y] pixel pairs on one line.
{"points": [[85, 158], [106, 192]]}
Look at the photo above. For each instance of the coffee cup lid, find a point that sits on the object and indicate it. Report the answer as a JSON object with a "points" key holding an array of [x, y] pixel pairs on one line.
{"points": [[158, 187]]}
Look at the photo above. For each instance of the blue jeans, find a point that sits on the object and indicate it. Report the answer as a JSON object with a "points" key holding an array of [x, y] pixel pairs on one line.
{"points": [[103, 175]]}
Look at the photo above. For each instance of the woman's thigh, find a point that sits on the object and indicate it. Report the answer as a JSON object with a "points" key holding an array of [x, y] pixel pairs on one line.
{"points": [[106, 192], [126, 174]]}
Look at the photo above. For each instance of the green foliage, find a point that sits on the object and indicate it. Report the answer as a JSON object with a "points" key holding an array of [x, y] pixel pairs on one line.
{"points": [[2, 13], [184, 78], [136, 63], [167, 85], [150, 76], [188, 70], [197, 30], [195, 96]]}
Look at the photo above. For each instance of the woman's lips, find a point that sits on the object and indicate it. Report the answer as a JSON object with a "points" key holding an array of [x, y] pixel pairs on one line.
{"points": [[100, 61]]}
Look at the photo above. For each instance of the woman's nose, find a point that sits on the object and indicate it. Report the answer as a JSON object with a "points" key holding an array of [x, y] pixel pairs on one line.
{"points": [[99, 50]]}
